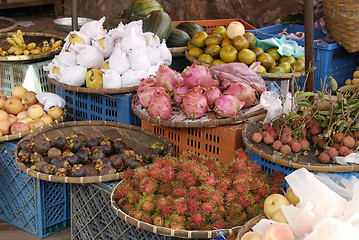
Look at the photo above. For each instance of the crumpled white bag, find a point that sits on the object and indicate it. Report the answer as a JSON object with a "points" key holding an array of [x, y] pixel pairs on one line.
{"points": [[50, 100]]}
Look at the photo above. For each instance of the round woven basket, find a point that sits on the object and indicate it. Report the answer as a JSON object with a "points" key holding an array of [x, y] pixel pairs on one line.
{"points": [[7, 24], [16, 136], [36, 37], [168, 231], [91, 90], [267, 76], [310, 161], [342, 21], [249, 225], [137, 138]]}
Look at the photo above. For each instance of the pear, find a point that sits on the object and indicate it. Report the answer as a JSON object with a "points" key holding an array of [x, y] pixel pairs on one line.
{"points": [[56, 70], [74, 38], [94, 78], [106, 65]]}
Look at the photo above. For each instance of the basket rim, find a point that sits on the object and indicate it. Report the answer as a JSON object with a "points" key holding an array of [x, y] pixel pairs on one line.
{"points": [[249, 225], [31, 57], [91, 90], [20, 135], [320, 167], [242, 116], [269, 76], [89, 179], [11, 27], [189, 234]]}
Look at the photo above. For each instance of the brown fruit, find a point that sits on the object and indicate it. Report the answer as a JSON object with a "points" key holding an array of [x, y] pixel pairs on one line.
{"points": [[266, 60], [274, 53], [240, 42], [199, 38], [251, 39], [298, 66], [195, 52], [213, 50], [206, 58], [258, 51], [226, 42], [213, 39], [13, 105], [228, 54], [246, 56]]}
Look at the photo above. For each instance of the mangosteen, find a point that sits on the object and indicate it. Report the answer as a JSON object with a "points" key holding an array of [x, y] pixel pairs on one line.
{"points": [[42, 146], [150, 155], [29, 144], [62, 172], [75, 144], [24, 155], [60, 163], [107, 169], [45, 159], [103, 148], [44, 167], [132, 163], [78, 170], [118, 145], [73, 160], [35, 157], [54, 152], [81, 137], [95, 141], [117, 162], [84, 155], [98, 155], [106, 141], [60, 142], [67, 153], [158, 147]]}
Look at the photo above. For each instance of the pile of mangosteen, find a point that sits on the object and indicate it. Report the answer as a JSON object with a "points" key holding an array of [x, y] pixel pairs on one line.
{"points": [[78, 156]]}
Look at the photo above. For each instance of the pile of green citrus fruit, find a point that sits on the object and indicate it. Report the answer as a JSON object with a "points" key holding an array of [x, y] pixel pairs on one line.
{"points": [[216, 48]]}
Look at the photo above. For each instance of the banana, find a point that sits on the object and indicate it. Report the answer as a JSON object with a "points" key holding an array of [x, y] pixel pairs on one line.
{"points": [[19, 51], [16, 39], [57, 43], [45, 46], [35, 51], [11, 41], [23, 46], [26, 52], [31, 46], [3, 53], [56, 48], [52, 41], [19, 34], [12, 49]]}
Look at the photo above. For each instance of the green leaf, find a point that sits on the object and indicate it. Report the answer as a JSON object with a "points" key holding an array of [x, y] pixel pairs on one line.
{"points": [[346, 88], [304, 103], [326, 113], [333, 83], [303, 94], [311, 69], [321, 95], [352, 105]]}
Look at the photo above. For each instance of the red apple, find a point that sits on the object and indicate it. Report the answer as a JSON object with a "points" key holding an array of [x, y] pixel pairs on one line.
{"points": [[29, 98], [19, 127], [13, 105], [5, 126]]}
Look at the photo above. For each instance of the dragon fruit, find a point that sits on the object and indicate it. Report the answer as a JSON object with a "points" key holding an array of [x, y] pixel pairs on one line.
{"points": [[168, 78], [227, 105], [194, 103], [212, 94], [145, 97], [160, 107], [198, 75], [178, 94], [146, 83], [243, 92]]}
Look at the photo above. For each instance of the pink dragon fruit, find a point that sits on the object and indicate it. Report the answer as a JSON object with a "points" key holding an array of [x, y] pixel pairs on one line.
{"points": [[243, 92], [194, 103], [227, 105], [178, 94], [168, 78], [146, 96], [146, 83], [212, 94], [160, 107], [198, 75]]}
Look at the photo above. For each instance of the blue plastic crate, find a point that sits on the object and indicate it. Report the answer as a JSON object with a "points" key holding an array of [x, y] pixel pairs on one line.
{"points": [[89, 106], [36, 206], [330, 59]]}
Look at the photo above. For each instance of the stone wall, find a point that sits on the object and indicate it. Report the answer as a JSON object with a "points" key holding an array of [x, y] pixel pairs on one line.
{"points": [[259, 13]]}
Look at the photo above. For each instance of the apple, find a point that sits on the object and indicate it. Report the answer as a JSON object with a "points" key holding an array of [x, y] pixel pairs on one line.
{"points": [[278, 231], [293, 199], [18, 91], [55, 112], [5, 126], [3, 115], [13, 105], [29, 98], [36, 123], [252, 236], [22, 114], [273, 202], [19, 127], [278, 216], [47, 119], [3, 96], [25, 120], [2, 102], [12, 118], [35, 111]]}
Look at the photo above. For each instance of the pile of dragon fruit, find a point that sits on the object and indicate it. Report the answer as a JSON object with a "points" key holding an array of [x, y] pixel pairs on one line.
{"points": [[195, 192], [197, 91]]}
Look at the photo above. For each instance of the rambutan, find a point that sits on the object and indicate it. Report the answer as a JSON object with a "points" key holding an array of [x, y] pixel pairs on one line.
{"points": [[275, 189], [148, 185], [181, 206], [147, 218], [215, 196], [168, 164], [148, 206], [238, 165], [160, 200], [158, 220], [246, 199], [253, 167], [200, 173], [201, 194], [140, 174], [176, 225], [168, 174], [219, 224], [243, 176], [254, 210], [231, 196], [212, 164], [122, 190], [154, 172], [196, 220], [277, 178], [263, 190], [136, 213], [240, 186], [159, 162], [190, 181], [182, 175], [242, 155], [177, 218], [222, 187], [210, 180], [179, 192], [133, 197], [127, 207], [207, 207], [216, 215], [128, 174], [165, 188], [166, 210]]}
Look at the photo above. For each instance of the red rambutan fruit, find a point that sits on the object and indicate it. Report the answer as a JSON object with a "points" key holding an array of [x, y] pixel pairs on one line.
{"points": [[122, 190], [242, 155], [176, 225], [160, 200], [231, 196], [201, 194], [222, 187], [166, 210], [148, 206], [128, 207], [254, 210], [192, 204], [148, 185], [278, 178], [238, 165], [219, 224], [165, 189], [182, 175], [275, 189], [178, 192], [159, 162], [190, 181], [128, 174], [168, 174], [254, 167], [196, 219], [154, 172], [246, 199], [181, 206], [147, 218], [207, 207], [240, 186], [133, 197], [158, 221], [263, 191], [136, 213], [210, 180]]}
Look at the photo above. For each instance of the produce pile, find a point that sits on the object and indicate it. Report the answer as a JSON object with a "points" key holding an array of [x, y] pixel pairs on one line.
{"points": [[329, 124], [79, 156], [234, 44], [119, 58], [194, 192], [199, 90], [26, 110], [19, 47]]}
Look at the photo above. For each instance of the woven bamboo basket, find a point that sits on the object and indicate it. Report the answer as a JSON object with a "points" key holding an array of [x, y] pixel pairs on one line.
{"points": [[36, 37], [249, 225], [7, 24], [267, 76], [342, 20], [195, 234], [137, 138], [310, 161]]}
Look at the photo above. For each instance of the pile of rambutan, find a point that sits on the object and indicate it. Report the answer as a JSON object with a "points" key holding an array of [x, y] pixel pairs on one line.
{"points": [[192, 192]]}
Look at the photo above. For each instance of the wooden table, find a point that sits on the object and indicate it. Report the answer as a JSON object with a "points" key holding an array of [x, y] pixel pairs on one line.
{"points": [[6, 4]]}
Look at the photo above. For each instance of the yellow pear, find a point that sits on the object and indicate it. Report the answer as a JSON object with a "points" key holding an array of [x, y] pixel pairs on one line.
{"points": [[94, 78], [74, 38]]}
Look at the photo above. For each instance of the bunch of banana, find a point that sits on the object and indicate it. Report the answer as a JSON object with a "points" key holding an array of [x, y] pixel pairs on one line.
{"points": [[19, 47]]}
